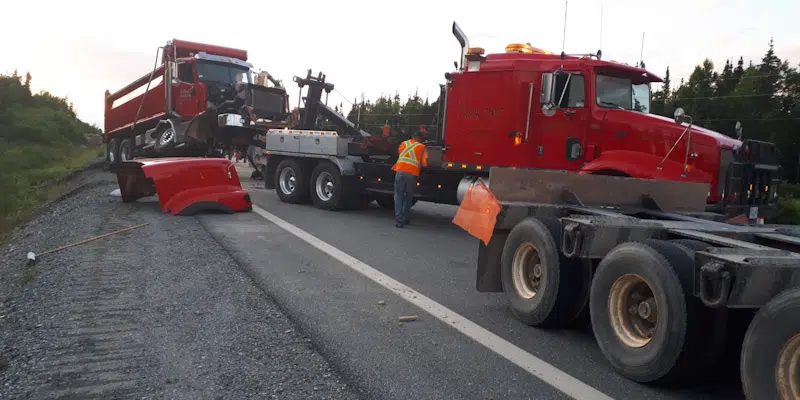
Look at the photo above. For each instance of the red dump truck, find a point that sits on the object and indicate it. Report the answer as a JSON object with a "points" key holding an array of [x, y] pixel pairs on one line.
{"points": [[199, 100]]}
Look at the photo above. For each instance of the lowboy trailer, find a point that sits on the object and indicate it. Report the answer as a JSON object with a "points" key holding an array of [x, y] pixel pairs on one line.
{"points": [[667, 293]]}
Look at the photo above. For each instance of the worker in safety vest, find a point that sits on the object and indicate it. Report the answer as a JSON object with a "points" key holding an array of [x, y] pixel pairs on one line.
{"points": [[413, 157]]}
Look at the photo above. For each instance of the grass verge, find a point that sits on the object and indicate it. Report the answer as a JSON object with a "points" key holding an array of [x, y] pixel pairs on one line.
{"points": [[32, 176]]}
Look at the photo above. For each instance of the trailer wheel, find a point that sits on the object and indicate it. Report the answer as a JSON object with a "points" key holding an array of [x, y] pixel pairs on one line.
{"points": [[641, 315], [126, 149], [543, 288], [112, 150], [290, 182], [329, 189], [770, 366]]}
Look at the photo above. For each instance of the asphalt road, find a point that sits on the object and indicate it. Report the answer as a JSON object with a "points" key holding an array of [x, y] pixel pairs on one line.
{"points": [[353, 320]]}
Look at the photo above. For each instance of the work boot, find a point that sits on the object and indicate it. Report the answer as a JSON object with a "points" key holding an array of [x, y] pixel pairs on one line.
{"points": [[398, 224]]}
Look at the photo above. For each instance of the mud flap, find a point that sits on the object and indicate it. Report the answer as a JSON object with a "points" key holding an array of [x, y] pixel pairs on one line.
{"points": [[488, 274], [184, 185]]}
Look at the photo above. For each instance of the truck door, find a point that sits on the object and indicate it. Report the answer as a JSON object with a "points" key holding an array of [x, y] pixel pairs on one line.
{"points": [[563, 135], [188, 99]]}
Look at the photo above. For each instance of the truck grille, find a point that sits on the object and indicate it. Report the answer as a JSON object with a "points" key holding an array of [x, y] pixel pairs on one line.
{"points": [[753, 176], [267, 103], [725, 160]]}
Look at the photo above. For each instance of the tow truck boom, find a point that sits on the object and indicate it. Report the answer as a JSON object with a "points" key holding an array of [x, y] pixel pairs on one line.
{"points": [[314, 106]]}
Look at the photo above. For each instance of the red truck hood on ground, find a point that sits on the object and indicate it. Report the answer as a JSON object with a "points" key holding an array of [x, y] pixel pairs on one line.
{"points": [[184, 185]]}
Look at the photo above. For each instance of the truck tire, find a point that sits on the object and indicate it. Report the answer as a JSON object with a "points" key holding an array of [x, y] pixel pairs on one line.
{"points": [[542, 286], [112, 150], [632, 281], [291, 183], [126, 149], [329, 190], [771, 349]]}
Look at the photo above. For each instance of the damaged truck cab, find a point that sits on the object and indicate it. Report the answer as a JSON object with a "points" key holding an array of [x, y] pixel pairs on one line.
{"points": [[199, 100]]}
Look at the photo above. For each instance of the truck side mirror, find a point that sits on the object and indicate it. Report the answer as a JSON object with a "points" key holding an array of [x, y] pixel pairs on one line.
{"points": [[548, 94]]}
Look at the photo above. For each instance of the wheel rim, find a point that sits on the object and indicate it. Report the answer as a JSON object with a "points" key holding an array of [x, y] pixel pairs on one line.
{"points": [[123, 154], [527, 271], [633, 310], [324, 186], [111, 156], [787, 371], [166, 137], [288, 181]]}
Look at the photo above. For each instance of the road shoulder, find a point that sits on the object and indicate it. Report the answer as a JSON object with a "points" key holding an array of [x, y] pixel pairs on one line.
{"points": [[160, 311]]}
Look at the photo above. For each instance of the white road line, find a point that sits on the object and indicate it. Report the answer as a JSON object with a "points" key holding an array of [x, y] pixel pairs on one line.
{"points": [[537, 367]]}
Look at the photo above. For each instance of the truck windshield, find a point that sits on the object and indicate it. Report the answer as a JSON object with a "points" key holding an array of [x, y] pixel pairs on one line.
{"points": [[614, 92], [209, 71]]}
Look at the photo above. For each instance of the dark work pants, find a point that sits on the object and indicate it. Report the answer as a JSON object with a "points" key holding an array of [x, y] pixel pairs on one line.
{"points": [[404, 185]]}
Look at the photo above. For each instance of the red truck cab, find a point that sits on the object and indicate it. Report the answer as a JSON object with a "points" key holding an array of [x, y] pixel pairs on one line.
{"points": [[529, 108]]}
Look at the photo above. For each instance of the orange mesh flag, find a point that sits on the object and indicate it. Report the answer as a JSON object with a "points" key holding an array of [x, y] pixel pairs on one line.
{"points": [[477, 214]]}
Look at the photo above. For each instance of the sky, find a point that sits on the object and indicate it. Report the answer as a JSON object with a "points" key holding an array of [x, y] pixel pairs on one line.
{"points": [[79, 49]]}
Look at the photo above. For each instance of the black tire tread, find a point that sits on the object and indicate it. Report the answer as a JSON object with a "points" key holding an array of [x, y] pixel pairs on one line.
{"points": [[666, 256], [112, 147], [127, 142], [773, 325], [300, 195], [558, 305], [347, 195]]}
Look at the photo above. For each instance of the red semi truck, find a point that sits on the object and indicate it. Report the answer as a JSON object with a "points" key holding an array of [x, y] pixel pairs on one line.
{"points": [[200, 99], [523, 108]]}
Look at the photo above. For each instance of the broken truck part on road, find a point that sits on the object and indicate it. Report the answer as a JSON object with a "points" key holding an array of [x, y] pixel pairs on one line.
{"points": [[184, 186]]}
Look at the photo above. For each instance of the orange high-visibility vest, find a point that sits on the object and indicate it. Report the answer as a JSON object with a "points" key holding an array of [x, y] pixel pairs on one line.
{"points": [[413, 154]]}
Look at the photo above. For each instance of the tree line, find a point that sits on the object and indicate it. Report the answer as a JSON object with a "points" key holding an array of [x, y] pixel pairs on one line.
{"points": [[763, 96]]}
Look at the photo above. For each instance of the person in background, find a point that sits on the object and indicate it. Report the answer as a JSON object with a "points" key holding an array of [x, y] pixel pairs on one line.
{"points": [[413, 157]]}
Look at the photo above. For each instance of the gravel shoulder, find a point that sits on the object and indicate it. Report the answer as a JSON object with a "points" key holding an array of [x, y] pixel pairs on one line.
{"points": [[162, 311]]}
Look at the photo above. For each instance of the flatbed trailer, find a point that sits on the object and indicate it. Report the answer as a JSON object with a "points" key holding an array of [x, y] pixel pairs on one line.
{"points": [[667, 289]]}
